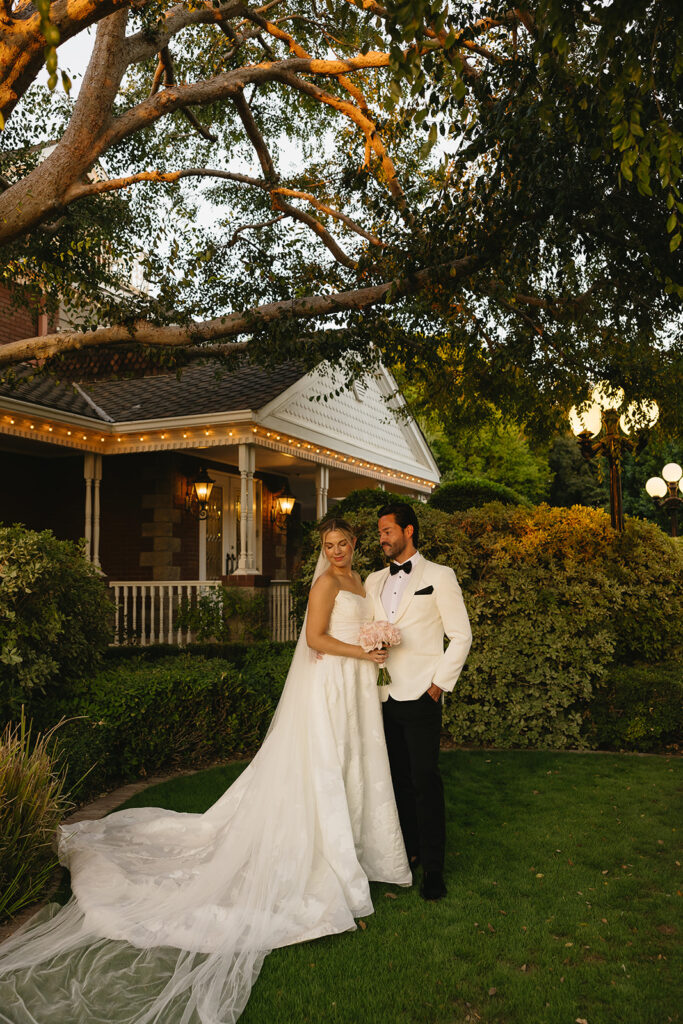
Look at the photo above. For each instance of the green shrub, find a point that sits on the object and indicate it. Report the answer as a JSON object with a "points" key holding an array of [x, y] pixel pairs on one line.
{"points": [[224, 614], [555, 598], [365, 498], [465, 492], [139, 717], [55, 615], [33, 801], [265, 668], [640, 707], [235, 653]]}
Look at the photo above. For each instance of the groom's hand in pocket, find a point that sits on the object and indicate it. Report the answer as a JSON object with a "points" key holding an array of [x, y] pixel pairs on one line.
{"points": [[435, 692]]}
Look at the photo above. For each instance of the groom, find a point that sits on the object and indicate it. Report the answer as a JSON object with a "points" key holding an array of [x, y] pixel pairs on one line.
{"points": [[424, 600]]}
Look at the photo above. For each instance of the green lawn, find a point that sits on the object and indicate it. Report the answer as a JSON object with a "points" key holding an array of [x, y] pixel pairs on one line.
{"points": [[564, 903]]}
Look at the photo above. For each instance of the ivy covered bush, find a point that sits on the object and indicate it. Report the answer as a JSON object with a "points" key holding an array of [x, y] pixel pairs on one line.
{"points": [[55, 615], [225, 614], [556, 599], [138, 716]]}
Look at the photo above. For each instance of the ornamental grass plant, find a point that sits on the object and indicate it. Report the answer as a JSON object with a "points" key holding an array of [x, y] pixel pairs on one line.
{"points": [[33, 801]]}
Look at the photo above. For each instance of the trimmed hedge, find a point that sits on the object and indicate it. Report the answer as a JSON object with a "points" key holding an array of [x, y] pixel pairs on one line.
{"points": [[365, 498], [465, 492], [639, 708], [556, 598], [235, 653], [140, 716]]}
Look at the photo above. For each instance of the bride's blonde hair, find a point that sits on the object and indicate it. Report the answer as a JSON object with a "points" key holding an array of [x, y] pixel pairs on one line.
{"points": [[337, 524]]}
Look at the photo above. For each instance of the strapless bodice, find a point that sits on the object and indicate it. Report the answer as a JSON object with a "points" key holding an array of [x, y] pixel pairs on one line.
{"points": [[348, 615]]}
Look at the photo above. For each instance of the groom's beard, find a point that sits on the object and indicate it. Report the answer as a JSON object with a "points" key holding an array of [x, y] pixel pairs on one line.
{"points": [[395, 550]]}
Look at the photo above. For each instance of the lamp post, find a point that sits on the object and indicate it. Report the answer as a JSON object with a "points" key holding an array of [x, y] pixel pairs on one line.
{"points": [[601, 417], [664, 492]]}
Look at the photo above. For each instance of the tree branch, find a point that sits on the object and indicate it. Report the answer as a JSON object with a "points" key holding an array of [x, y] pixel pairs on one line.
{"points": [[253, 227], [166, 62], [254, 134], [24, 45], [234, 324], [93, 188], [350, 110], [268, 167], [330, 211], [143, 45]]}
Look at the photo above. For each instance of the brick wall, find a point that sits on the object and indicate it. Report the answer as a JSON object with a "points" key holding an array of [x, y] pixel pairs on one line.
{"points": [[15, 323], [43, 493], [120, 526], [145, 532]]}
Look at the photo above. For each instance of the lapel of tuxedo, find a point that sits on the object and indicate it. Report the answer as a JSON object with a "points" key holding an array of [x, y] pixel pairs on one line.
{"points": [[380, 611], [411, 586]]}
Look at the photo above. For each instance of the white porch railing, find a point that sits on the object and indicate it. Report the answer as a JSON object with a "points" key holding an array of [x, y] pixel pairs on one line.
{"points": [[147, 613], [282, 624]]}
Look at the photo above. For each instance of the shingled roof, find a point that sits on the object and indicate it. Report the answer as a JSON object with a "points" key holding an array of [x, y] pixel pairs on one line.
{"points": [[200, 390]]}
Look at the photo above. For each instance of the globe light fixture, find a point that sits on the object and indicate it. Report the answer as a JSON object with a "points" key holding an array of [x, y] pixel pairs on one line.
{"points": [[656, 487], [639, 416], [607, 396], [600, 430], [664, 492], [586, 419]]}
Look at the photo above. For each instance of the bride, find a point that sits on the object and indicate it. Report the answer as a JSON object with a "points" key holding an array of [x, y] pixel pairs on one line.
{"points": [[173, 914]]}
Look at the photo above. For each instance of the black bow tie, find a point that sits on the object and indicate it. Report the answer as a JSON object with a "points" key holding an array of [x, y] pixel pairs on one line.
{"points": [[394, 567]]}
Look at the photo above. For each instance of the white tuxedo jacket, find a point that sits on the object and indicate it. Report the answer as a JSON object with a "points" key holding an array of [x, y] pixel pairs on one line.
{"points": [[431, 607]]}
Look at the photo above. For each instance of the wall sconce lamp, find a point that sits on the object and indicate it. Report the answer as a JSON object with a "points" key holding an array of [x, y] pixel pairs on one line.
{"points": [[198, 494], [281, 509]]}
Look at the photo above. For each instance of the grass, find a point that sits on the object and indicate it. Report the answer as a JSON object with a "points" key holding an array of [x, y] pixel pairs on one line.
{"points": [[563, 905]]}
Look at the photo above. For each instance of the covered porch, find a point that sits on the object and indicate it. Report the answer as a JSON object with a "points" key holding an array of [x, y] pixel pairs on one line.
{"points": [[115, 463]]}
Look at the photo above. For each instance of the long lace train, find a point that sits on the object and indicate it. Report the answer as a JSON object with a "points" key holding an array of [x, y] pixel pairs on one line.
{"points": [[173, 914]]}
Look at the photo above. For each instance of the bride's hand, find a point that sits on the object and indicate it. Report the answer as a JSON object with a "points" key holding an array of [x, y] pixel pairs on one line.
{"points": [[379, 657]]}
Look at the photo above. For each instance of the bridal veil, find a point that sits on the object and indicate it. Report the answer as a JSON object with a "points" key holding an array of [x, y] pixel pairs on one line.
{"points": [[173, 914]]}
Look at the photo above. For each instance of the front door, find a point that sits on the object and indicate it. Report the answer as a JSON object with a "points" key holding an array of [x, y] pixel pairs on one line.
{"points": [[219, 533], [214, 534]]}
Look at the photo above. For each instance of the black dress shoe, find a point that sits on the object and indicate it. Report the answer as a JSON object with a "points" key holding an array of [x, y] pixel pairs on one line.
{"points": [[433, 886]]}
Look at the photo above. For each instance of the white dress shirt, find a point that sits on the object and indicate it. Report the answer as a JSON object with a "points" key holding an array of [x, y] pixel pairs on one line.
{"points": [[394, 587]]}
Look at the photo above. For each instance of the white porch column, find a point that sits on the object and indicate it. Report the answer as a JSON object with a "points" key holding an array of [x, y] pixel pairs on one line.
{"points": [[247, 464], [97, 479], [88, 473], [322, 483]]}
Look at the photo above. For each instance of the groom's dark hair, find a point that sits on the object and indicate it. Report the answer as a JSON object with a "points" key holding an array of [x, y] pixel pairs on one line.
{"points": [[404, 515]]}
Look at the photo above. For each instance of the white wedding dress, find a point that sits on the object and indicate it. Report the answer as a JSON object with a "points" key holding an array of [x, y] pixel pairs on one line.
{"points": [[172, 914]]}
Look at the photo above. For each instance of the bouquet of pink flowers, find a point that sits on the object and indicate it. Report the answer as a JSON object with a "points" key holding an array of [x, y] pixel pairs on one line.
{"points": [[379, 636]]}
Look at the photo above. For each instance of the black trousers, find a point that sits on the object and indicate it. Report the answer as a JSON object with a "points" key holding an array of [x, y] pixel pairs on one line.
{"points": [[413, 731]]}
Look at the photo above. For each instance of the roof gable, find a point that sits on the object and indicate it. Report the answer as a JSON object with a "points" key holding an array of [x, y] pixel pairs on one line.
{"points": [[366, 422]]}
